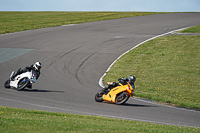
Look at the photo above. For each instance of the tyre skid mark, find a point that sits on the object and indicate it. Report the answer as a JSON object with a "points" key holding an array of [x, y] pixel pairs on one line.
{"points": [[79, 67]]}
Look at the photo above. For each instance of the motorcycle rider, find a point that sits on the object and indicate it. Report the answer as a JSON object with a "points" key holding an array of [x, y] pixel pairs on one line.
{"points": [[35, 67], [131, 79]]}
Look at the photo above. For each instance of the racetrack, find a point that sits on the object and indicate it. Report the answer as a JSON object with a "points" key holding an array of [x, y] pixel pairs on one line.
{"points": [[75, 57]]}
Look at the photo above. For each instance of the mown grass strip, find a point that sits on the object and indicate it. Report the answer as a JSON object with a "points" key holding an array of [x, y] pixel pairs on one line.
{"points": [[167, 69], [23, 121], [20, 21]]}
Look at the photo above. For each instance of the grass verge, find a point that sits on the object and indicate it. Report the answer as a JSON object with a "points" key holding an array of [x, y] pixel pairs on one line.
{"points": [[195, 29], [19, 120], [20, 21], [167, 69]]}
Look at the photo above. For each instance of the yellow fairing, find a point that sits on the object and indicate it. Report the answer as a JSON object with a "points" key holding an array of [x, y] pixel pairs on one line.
{"points": [[110, 97]]}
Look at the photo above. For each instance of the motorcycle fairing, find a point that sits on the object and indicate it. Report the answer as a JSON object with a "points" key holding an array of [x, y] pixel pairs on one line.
{"points": [[19, 77], [110, 97]]}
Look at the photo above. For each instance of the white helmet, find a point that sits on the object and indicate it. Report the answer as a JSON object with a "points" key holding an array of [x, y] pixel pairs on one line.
{"points": [[37, 65]]}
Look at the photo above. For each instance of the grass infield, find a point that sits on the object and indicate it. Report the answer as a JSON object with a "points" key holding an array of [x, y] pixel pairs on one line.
{"points": [[195, 29]]}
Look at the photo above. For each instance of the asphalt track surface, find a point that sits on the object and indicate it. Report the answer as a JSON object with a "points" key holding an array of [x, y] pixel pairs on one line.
{"points": [[75, 57]]}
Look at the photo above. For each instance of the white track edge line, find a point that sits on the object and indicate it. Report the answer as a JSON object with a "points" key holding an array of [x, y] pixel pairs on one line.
{"points": [[101, 79]]}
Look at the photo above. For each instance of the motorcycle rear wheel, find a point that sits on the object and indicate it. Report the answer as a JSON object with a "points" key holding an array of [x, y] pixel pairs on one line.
{"points": [[121, 98], [22, 84], [98, 96]]}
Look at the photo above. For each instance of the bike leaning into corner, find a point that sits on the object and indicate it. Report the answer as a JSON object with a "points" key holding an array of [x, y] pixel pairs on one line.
{"points": [[24, 77], [118, 93]]}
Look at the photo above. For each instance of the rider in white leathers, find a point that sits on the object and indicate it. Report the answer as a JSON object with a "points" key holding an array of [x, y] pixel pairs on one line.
{"points": [[35, 67]]}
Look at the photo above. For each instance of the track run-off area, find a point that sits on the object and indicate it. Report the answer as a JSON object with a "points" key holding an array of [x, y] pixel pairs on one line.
{"points": [[75, 57]]}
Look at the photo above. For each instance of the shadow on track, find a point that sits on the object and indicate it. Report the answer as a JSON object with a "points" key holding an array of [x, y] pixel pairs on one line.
{"points": [[137, 105], [131, 105], [36, 90]]}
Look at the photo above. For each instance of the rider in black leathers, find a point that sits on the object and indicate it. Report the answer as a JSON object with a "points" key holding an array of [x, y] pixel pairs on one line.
{"points": [[131, 79]]}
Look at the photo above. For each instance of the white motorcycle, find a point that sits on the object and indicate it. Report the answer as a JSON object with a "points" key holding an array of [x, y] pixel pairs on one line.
{"points": [[21, 81]]}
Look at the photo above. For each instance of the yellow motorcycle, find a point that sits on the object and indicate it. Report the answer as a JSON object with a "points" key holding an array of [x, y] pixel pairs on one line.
{"points": [[118, 95]]}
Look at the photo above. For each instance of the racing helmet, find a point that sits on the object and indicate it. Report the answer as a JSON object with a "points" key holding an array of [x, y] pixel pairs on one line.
{"points": [[37, 65], [124, 79], [131, 79]]}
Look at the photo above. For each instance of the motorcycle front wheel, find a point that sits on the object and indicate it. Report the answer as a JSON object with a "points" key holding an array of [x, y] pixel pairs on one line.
{"points": [[7, 84], [98, 96], [121, 98], [22, 84]]}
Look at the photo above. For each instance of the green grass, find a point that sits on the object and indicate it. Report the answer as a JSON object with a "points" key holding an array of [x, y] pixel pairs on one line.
{"points": [[23, 121], [20, 21], [167, 69], [195, 29]]}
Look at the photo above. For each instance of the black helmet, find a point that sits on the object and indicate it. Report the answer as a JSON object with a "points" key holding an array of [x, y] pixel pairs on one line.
{"points": [[131, 79], [124, 79]]}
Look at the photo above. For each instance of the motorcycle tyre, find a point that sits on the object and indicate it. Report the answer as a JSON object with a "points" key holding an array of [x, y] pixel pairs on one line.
{"points": [[7, 84], [97, 98], [23, 86], [124, 100]]}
